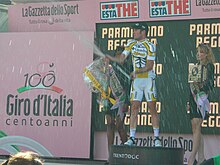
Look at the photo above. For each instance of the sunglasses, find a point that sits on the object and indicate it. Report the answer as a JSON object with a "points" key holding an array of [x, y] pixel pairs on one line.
{"points": [[204, 44]]}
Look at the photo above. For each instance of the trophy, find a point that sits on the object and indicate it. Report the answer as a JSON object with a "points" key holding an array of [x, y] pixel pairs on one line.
{"points": [[101, 78], [197, 73], [95, 76]]}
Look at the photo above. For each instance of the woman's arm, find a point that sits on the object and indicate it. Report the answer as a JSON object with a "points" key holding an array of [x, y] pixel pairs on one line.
{"points": [[208, 84]]}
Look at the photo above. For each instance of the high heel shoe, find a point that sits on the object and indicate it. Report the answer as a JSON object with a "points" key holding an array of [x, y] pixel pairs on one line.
{"points": [[195, 162]]}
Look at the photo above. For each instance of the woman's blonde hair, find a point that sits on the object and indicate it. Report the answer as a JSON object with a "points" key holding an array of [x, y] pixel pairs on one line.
{"points": [[24, 158], [205, 48]]}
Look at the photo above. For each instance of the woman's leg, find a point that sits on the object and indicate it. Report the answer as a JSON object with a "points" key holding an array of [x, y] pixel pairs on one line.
{"points": [[196, 129], [201, 155], [110, 132]]}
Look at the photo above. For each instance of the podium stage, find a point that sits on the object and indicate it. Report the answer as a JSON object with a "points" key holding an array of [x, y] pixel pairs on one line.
{"points": [[126, 155]]}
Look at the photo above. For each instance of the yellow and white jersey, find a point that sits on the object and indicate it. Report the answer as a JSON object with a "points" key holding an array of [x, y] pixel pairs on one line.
{"points": [[141, 51]]}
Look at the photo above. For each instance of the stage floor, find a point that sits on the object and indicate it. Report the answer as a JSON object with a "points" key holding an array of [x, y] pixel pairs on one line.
{"points": [[69, 162]]}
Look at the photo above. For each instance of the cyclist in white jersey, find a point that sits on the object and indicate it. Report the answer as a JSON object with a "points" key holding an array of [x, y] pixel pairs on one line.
{"points": [[143, 55]]}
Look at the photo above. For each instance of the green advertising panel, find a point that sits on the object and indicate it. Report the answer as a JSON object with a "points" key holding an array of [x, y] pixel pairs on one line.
{"points": [[176, 43]]}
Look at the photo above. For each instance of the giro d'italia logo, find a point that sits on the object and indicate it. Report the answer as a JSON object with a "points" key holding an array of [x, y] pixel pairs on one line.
{"points": [[43, 78], [165, 8]]}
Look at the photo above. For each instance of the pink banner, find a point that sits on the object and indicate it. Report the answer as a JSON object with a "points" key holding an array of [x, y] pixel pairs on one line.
{"points": [[83, 15], [156, 10], [45, 104], [54, 16]]}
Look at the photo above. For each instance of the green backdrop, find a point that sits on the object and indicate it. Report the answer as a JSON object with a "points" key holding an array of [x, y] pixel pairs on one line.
{"points": [[176, 48]]}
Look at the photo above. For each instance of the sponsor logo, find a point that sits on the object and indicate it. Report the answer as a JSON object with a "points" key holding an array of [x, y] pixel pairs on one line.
{"points": [[166, 141], [119, 10], [164, 8], [126, 156], [39, 15], [60, 9], [207, 2]]}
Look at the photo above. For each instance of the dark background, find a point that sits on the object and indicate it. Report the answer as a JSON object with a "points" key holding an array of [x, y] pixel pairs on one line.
{"points": [[175, 50]]}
